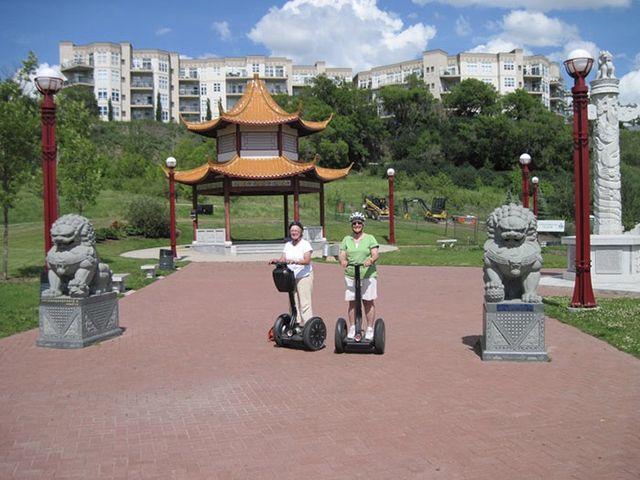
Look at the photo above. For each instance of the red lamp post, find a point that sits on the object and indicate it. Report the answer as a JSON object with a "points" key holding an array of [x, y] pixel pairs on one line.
{"points": [[171, 165], [578, 66], [49, 82], [392, 234], [535, 181], [525, 160]]}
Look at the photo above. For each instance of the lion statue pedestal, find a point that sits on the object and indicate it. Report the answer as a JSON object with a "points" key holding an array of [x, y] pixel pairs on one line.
{"points": [[513, 313], [79, 307]]}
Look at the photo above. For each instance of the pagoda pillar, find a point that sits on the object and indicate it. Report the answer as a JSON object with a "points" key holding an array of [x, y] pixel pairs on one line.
{"points": [[286, 215], [324, 235], [227, 209], [296, 199], [194, 211]]}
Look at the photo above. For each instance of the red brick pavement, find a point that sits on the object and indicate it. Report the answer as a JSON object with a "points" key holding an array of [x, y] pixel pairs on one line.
{"points": [[193, 390]]}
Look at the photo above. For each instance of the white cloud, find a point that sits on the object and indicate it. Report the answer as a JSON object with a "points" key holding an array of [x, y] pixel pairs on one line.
{"points": [[630, 88], [463, 27], [344, 33], [542, 5], [163, 31], [522, 29], [222, 29]]}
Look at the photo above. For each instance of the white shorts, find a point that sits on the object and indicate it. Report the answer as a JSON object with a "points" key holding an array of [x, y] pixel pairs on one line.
{"points": [[368, 289]]}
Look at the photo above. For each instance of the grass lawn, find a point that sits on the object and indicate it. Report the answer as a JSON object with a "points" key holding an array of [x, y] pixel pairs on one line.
{"points": [[615, 321]]}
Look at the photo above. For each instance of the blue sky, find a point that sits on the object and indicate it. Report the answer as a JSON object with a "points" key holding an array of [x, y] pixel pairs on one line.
{"points": [[356, 33]]}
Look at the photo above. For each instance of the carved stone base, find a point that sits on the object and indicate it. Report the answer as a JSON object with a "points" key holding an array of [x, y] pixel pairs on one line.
{"points": [[513, 331], [77, 322]]}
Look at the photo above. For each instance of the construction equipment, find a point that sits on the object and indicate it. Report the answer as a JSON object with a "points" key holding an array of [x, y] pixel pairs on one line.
{"points": [[435, 213], [376, 208]]}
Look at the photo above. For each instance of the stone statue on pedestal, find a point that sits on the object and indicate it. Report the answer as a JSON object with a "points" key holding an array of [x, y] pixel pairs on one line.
{"points": [[513, 322], [79, 307]]}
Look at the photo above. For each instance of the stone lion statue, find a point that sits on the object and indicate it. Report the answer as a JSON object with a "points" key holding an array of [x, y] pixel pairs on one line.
{"points": [[512, 258], [605, 65], [74, 266]]}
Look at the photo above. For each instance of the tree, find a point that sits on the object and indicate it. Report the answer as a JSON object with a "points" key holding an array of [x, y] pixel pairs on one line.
{"points": [[471, 98], [18, 147], [81, 93], [158, 108], [208, 115], [109, 111], [80, 171]]}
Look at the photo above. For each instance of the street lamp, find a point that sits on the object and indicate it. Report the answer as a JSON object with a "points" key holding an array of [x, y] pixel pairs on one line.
{"points": [[578, 66], [525, 160], [392, 234], [535, 181], [171, 165], [49, 82]]}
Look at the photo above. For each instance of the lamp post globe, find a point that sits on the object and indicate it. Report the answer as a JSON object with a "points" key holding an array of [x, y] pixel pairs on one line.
{"points": [[49, 82], [525, 160], [171, 163], [392, 233], [578, 66]]}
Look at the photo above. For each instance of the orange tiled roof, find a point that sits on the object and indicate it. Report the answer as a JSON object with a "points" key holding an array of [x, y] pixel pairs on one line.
{"points": [[258, 169], [256, 107]]}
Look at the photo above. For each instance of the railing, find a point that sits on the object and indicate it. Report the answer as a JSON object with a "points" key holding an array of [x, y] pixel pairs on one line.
{"points": [[78, 62], [141, 85], [191, 91]]}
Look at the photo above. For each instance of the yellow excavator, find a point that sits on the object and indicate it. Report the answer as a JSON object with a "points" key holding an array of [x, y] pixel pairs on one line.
{"points": [[435, 213], [376, 208]]}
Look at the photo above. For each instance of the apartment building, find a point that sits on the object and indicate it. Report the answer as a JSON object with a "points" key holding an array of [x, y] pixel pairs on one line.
{"points": [[133, 81], [506, 71]]}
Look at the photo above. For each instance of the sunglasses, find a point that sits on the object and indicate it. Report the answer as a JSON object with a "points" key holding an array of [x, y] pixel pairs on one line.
{"points": [[357, 223]]}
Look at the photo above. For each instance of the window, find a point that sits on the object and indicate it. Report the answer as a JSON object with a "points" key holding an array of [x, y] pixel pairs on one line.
{"points": [[217, 87], [509, 82], [103, 111], [279, 71], [255, 68], [146, 64], [203, 89], [486, 66], [101, 58], [509, 65], [164, 99], [102, 94], [163, 66], [115, 59], [101, 74], [116, 111], [115, 95], [115, 76], [163, 82], [472, 66], [165, 116]]}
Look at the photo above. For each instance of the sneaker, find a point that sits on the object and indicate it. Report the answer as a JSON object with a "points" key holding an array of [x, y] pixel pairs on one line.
{"points": [[369, 334], [352, 332]]}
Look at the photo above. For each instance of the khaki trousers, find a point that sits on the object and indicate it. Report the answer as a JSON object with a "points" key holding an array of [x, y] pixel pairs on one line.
{"points": [[304, 289]]}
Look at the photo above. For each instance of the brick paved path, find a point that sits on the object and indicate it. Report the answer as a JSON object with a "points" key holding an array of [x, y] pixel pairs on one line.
{"points": [[193, 390]]}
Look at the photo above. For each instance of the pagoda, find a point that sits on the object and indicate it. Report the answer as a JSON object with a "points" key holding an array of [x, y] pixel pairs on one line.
{"points": [[257, 154]]}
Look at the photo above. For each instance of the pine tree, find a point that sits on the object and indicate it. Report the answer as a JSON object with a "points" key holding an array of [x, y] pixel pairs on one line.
{"points": [[110, 111], [158, 109], [208, 117]]}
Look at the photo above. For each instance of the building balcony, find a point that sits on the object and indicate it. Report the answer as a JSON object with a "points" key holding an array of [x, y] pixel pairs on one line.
{"points": [[142, 115], [79, 80], [239, 74], [139, 85], [189, 92], [189, 78], [144, 68], [192, 109], [142, 104], [77, 64]]}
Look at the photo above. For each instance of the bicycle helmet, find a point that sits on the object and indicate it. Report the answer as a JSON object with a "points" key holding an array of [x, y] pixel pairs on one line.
{"points": [[356, 216]]}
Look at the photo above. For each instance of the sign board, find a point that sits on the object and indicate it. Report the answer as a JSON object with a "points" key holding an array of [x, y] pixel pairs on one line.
{"points": [[551, 226]]}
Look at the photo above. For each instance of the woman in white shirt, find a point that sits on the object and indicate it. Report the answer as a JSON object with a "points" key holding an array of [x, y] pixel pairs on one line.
{"points": [[297, 255]]}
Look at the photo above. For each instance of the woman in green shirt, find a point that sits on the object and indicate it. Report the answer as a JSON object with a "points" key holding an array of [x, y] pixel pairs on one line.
{"points": [[360, 247]]}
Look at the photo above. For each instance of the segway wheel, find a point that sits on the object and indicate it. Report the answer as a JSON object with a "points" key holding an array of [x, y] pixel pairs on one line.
{"points": [[278, 328], [379, 336], [314, 333], [341, 333]]}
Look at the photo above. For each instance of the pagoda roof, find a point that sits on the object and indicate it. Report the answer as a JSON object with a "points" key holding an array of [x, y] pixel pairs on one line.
{"points": [[258, 169], [256, 107]]}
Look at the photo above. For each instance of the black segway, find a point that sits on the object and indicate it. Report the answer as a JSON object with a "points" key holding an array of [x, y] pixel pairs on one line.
{"points": [[358, 344], [285, 331]]}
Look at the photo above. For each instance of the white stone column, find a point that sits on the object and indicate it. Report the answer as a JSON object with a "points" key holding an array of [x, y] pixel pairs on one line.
{"points": [[607, 198]]}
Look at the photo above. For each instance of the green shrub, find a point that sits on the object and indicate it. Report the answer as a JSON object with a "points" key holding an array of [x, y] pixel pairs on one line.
{"points": [[149, 217]]}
